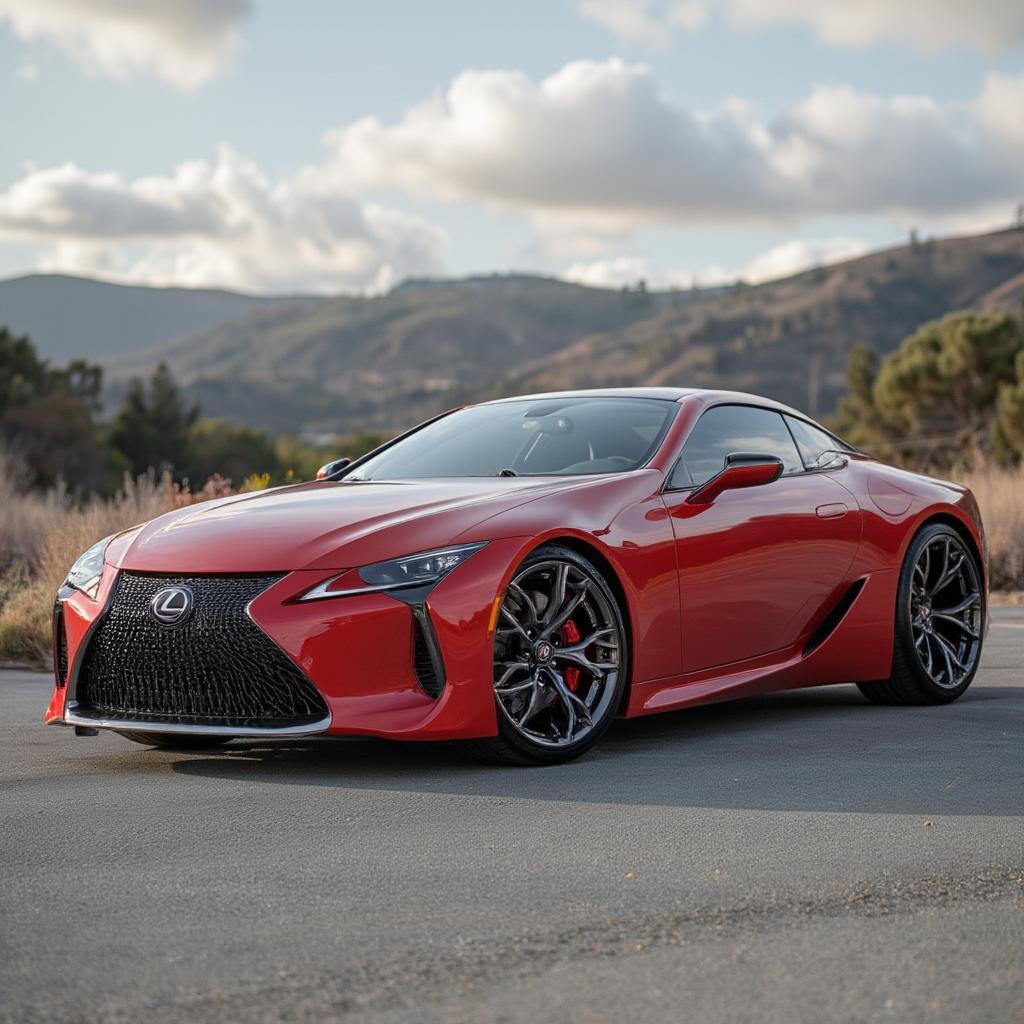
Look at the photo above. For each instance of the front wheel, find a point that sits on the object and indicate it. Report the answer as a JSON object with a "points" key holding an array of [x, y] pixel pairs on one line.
{"points": [[939, 616], [560, 660]]}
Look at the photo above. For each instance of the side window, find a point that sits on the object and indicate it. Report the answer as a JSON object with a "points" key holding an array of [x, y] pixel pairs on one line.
{"points": [[725, 429], [812, 441]]}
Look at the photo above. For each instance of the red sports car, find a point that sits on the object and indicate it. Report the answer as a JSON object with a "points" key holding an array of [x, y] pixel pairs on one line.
{"points": [[518, 573]]}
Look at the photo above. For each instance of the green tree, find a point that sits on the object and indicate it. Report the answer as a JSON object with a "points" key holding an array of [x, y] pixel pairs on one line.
{"points": [[23, 375], [151, 428], [940, 386], [47, 416], [1008, 425], [856, 417], [219, 447]]}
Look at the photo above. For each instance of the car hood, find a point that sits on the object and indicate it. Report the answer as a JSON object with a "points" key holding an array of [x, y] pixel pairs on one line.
{"points": [[320, 525]]}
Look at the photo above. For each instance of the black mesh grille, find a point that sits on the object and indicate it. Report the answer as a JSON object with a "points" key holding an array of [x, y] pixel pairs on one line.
{"points": [[217, 667]]}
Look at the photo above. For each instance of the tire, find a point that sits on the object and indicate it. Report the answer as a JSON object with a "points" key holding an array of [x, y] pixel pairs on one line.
{"points": [[174, 741], [935, 654], [555, 694]]}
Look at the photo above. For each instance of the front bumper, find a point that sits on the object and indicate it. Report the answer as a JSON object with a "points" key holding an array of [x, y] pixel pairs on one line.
{"points": [[358, 652]]}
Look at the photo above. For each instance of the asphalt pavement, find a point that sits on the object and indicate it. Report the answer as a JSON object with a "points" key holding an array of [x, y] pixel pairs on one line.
{"points": [[799, 857]]}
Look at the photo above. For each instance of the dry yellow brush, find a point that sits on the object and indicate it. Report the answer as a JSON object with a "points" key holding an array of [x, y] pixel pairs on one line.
{"points": [[1000, 494], [41, 534]]}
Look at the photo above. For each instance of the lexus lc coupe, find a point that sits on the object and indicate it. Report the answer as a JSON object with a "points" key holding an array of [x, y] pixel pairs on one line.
{"points": [[518, 573]]}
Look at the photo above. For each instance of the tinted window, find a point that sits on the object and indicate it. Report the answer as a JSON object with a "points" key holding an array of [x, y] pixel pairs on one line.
{"points": [[812, 441], [733, 428], [539, 438]]}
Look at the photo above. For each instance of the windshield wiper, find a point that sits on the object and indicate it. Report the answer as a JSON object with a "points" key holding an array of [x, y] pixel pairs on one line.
{"points": [[507, 472]]}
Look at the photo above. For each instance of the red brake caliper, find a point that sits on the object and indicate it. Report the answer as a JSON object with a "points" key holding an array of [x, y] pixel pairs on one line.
{"points": [[571, 635]]}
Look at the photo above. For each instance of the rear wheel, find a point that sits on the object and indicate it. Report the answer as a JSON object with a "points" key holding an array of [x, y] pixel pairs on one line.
{"points": [[174, 741], [939, 615], [560, 660]]}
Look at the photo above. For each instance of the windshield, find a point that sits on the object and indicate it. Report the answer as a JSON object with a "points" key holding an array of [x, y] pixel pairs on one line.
{"points": [[560, 437]]}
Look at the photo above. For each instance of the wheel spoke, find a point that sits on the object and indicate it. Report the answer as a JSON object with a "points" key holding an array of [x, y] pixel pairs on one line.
{"points": [[511, 668], [953, 563], [515, 626], [575, 709], [927, 651], [532, 707], [950, 652], [576, 653], [557, 596], [965, 627], [563, 617], [527, 603], [925, 568]]}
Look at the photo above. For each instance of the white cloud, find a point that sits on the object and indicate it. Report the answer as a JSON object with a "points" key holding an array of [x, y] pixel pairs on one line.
{"points": [[183, 42], [780, 261], [597, 148], [990, 25], [220, 223], [27, 72], [644, 21], [621, 271], [801, 254]]}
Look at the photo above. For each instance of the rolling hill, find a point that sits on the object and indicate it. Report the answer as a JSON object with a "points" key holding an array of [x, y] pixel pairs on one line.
{"points": [[357, 363], [71, 317], [790, 339], [383, 363], [344, 364]]}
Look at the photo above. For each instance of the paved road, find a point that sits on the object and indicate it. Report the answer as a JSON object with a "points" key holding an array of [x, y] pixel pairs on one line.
{"points": [[803, 857]]}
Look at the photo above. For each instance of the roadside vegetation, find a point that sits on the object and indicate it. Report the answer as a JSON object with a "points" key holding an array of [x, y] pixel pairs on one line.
{"points": [[948, 401]]}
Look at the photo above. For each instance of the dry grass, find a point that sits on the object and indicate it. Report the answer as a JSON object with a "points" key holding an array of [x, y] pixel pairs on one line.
{"points": [[42, 534], [1000, 494]]}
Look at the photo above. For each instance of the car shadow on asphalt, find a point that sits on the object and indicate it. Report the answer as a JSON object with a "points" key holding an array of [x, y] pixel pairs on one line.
{"points": [[823, 749]]}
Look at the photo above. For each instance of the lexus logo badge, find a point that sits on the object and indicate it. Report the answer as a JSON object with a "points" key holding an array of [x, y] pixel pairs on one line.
{"points": [[172, 605]]}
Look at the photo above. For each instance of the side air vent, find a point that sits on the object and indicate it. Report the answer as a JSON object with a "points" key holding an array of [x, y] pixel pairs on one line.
{"points": [[426, 655], [834, 617], [60, 644]]}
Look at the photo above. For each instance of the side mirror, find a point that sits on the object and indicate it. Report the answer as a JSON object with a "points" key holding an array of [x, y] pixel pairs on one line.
{"points": [[742, 469], [333, 470]]}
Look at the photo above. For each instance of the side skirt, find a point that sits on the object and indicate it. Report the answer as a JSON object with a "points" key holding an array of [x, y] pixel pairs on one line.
{"points": [[853, 642]]}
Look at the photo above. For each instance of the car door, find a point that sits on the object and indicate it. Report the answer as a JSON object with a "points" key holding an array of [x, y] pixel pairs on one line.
{"points": [[757, 565]]}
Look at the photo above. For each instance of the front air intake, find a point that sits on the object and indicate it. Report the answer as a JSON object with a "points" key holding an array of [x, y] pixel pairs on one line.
{"points": [[427, 654]]}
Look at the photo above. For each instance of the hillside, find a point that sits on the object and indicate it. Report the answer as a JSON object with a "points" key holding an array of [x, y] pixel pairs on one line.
{"points": [[790, 339], [351, 363], [347, 364], [72, 317]]}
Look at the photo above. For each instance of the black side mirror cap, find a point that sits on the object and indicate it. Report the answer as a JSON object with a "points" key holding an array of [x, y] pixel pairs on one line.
{"points": [[333, 470]]}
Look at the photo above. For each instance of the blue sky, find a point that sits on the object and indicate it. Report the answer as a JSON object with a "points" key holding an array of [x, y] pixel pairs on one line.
{"points": [[669, 140]]}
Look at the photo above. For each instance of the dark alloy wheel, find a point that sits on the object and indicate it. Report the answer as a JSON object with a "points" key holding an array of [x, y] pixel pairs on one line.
{"points": [[174, 741], [560, 660], [939, 621]]}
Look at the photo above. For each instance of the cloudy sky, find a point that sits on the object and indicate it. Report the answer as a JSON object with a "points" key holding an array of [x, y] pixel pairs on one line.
{"points": [[322, 145]]}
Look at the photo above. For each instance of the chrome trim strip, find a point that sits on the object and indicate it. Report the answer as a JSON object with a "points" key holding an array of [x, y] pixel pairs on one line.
{"points": [[72, 717], [320, 591]]}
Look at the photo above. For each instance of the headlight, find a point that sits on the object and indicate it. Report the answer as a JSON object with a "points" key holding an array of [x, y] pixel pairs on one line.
{"points": [[85, 574], [423, 570]]}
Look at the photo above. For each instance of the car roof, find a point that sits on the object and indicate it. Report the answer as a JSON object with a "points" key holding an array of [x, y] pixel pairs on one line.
{"points": [[707, 396]]}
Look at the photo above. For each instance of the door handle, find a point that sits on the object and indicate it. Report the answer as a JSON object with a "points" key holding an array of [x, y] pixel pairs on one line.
{"points": [[833, 510]]}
